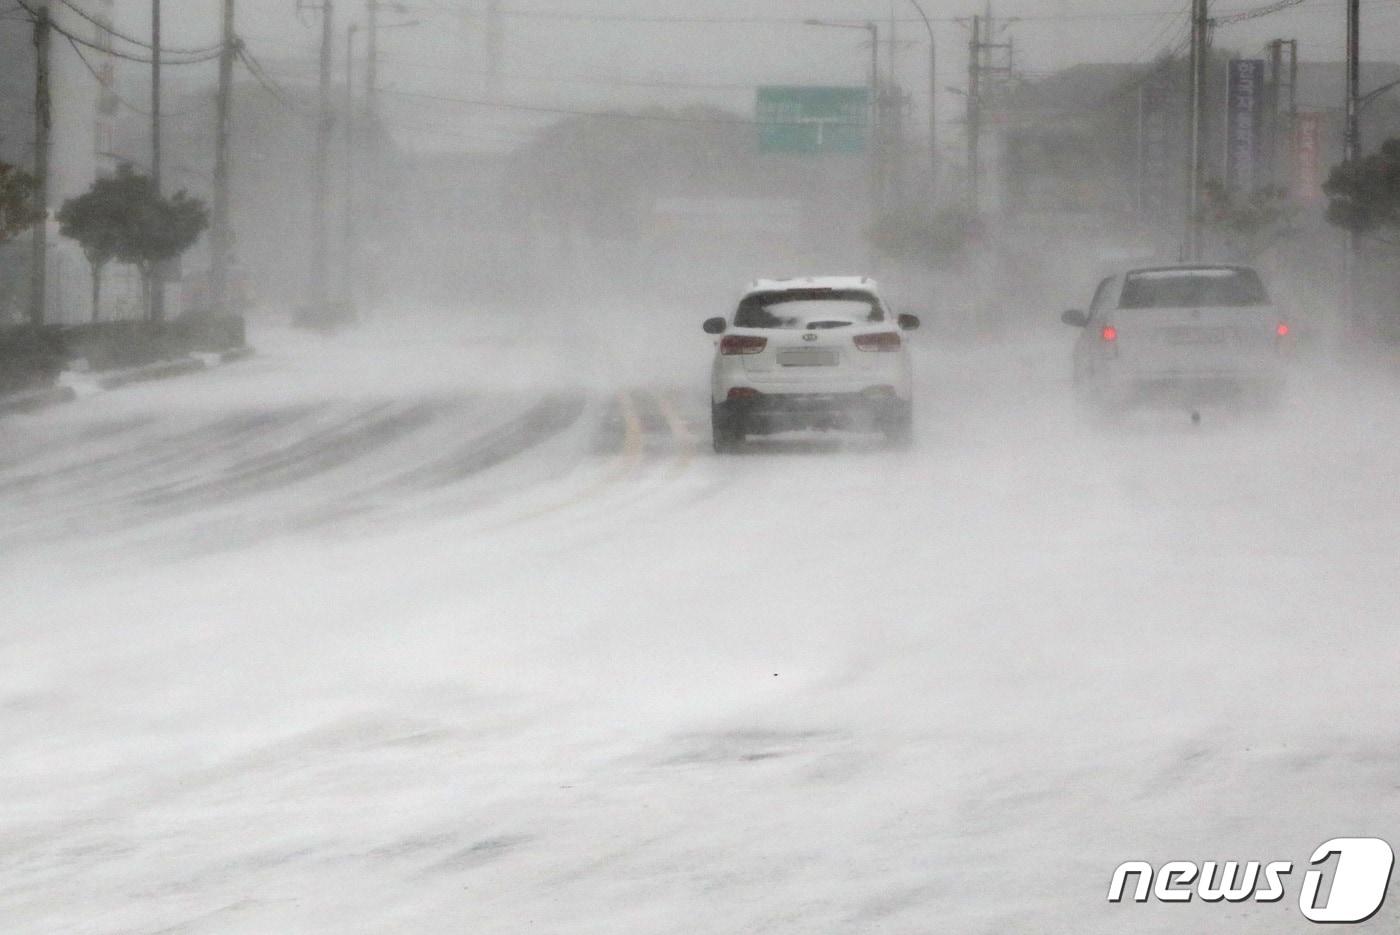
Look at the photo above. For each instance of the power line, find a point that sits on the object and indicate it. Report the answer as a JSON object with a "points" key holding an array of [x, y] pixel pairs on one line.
{"points": [[121, 100], [417, 64], [1255, 13], [125, 56], [268, 83], [647, 18], [598, 114], [107, 28]]}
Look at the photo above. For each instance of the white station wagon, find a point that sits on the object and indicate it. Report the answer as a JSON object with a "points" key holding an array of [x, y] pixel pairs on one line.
{"points": [[819, 353]]}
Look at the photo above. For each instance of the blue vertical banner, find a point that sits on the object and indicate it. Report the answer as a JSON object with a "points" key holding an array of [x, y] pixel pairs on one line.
{"points": [[1244, 103]]}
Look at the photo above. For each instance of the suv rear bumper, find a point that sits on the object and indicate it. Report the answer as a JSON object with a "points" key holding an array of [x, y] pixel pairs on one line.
{"points": [[1173, 388], [765, 414]]}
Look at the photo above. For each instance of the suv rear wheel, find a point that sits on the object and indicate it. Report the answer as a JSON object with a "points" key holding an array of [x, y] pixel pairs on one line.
{"points": [[898, 427], [727, 429]]}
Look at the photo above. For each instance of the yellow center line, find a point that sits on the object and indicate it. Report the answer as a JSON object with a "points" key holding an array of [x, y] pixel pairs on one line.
{"points": [[624, 463], [685, 439]]}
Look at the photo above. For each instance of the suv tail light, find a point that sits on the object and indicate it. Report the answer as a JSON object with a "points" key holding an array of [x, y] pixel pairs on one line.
{"points": [[742, 344], [1109, 333], [1282, 330], [883, 341]]}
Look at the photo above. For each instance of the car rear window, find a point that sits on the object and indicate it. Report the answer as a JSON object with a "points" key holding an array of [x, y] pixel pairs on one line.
{"points": [[808, 308], [1193, 288]]}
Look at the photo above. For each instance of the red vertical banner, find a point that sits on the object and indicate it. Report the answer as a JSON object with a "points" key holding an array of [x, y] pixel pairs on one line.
{"points": [[1307, 157]]}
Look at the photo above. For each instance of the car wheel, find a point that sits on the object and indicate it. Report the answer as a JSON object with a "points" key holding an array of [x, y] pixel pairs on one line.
{"points": [[727, 430]]}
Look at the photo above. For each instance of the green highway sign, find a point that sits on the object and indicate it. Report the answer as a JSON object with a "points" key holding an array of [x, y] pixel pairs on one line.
{"points": [[813, 120]]}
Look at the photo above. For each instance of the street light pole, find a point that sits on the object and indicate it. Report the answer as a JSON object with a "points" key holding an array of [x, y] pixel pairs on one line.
{"points": [[876, 127], [932, 99], [877, 161]]}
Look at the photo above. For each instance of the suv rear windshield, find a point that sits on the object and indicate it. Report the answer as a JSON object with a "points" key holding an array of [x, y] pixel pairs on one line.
{"points": [[808, 308], [1193, 288]]}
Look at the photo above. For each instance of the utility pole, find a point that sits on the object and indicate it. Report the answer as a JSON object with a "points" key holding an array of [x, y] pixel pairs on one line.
{"points": [[221, 228], [1273, 98], [1292, 90], [157, 309], [43, 119], [1353, 126], [1282, 109], [320, 175], [374, 158], [349, 248], [974, 116], [1352, 145], [1193, 247]]}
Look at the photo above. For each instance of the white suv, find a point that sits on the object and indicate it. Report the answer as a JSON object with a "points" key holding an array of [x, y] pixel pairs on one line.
{"points": [[819, 353]]}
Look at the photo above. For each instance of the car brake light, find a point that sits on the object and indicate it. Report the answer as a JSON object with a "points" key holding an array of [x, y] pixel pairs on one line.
{"points": [[742, 344], [1109, 333], [1282, 330], [742, 392], [883, 341]]}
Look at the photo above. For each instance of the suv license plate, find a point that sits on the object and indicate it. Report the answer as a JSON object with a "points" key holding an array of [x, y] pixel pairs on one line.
{"points": [[807, 358]]}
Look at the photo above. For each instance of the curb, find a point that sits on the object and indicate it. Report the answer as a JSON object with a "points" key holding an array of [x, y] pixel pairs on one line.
{"points": [[34, 400], [237, 354], [157, 371]]}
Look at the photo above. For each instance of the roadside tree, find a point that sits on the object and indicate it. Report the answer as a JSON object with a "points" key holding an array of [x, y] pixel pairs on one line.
{"points": [[17, 210], [1364, 196], [123, 218]]}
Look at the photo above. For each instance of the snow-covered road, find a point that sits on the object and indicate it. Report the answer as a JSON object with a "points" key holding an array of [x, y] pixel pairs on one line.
{"points": [[376, 637]]}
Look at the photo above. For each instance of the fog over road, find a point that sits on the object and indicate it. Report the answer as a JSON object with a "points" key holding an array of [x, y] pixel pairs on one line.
{"points": [[386, 633]]}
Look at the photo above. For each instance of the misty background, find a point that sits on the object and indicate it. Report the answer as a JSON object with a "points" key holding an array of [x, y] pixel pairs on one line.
{"points": [[481, 165]]}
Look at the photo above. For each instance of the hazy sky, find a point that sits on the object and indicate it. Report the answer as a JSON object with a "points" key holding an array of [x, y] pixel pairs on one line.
{"points": [[587, 54]]}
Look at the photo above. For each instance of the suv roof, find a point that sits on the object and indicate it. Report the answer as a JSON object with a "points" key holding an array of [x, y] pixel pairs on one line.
{"points": [[863, 283], [1189, 268]]}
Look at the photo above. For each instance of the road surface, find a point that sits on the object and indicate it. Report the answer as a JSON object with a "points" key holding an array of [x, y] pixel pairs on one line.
{"points": [[397, 633]]}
